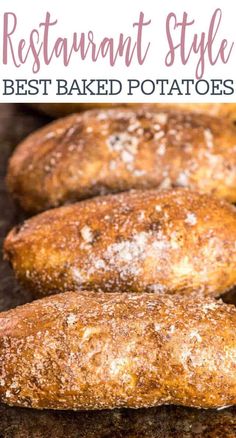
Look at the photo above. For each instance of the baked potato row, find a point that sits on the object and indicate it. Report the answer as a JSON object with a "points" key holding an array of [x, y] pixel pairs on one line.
{"points": [[114, 150]]}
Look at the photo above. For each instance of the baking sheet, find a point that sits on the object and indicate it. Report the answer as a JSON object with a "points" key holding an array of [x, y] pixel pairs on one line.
{"points": [[17, 121]]}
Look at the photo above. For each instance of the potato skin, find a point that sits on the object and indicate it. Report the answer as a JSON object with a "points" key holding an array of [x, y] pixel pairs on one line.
{"points": [[108, 151], [213, 109], [64, 109], [102, 351], [161, 422], [175, 241]]}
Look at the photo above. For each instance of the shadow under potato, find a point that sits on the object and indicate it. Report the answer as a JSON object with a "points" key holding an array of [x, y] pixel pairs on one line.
{"points": [[162, 422], [16, 122]]}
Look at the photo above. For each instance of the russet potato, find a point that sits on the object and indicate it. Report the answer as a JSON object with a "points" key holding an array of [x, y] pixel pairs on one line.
{"points": [[175, 241], [99, 351], [106, 151]]}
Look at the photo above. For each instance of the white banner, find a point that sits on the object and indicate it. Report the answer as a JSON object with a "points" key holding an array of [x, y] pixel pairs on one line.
{"points": [[125, 51]]}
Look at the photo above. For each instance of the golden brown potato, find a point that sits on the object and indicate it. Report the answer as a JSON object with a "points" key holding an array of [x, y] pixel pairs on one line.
{"points": [[63, 109], [174, 241], [213, 109], [102, 351], [162, 422], [100, 152]]}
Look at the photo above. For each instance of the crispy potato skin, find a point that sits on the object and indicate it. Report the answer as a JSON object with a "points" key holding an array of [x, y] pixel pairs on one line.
{"points": [[175, 241], [213, 109], [64, 109], [99, 351], [162, 422], [107, 151]]}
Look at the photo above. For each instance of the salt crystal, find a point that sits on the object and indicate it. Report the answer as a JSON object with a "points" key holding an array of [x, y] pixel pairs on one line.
{"points": [[191, 219], [165, 184], [49, 135], [162, 149], [159, 135], [71, 319], [182, 179], [77, 276], [99, 264], [161, 118], [112, 165], [89, 129], [127, 157], [138, 172], [87, 234], [157, 327], [208, 138], [195, 334]]}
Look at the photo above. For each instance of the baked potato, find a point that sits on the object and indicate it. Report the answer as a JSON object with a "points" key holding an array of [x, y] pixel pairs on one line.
{"points": [[103, 351], [107, 151], [175, 241], [214, 109]]}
